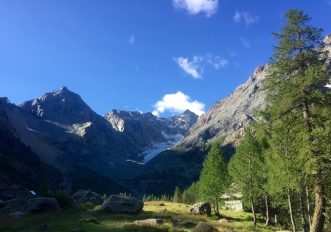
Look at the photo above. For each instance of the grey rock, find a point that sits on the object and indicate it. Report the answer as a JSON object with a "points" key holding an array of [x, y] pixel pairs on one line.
{"points": [[149, 222], [185, 224], [204, 227], [14, 205], [201, 208], [17, 214], [121, 204], [30, 205], [223, 220], [42, 205], [86, 197]]}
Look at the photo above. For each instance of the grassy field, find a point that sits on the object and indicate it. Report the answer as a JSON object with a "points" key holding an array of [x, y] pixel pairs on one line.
{"points": [[82, 220]]}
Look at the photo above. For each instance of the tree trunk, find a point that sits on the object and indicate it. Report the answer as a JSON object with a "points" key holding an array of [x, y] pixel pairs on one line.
{"points": [[290, 210], [253, 211], [266, 211], [317, 224], [308, 206], [305, 225], [217, 212]]}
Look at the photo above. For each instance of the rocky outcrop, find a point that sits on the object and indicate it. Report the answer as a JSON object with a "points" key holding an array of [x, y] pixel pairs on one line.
{"points": [[30, 205], [201, 208], [121, 204], [204, 227], [42, 205], [86, 197], [149, 222]]}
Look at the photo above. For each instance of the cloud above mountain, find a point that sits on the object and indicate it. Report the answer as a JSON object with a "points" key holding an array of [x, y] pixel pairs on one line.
{"points": [[198, 63], [178, 103], [245, 17], [193, 7]]}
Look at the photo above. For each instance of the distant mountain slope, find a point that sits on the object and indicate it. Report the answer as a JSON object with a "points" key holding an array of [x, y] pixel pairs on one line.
{"points": [[18, 163], [66, 134], [151, 134]]}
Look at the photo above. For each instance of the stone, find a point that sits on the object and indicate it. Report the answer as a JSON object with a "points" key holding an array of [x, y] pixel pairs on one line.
{"points": [[17, 214], [121, 204], [204, 227], [201, 208], [223, 220], [185, 224], [14, 205], [43, 205], [86, 197], [149, 222]]}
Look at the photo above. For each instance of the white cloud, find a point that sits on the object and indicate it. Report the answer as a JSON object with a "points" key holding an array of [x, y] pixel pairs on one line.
{"points": [[178, 103], [245, 43], [209, 7], [245, 17], [192, 67], [216, 61], [132, 40], [196, 66]]}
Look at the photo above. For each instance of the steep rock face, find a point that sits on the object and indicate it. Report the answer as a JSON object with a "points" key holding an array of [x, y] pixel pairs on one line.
{"points": [[227, 118], [151, 134], [20, 165]]}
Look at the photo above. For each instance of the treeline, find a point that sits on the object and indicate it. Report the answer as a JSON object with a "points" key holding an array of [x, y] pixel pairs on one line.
{"points": [[282, 166]]}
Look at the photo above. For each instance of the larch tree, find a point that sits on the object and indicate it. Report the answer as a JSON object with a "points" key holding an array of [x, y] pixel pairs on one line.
{"points": [[295, 87], [214, 177], [246, 169]]}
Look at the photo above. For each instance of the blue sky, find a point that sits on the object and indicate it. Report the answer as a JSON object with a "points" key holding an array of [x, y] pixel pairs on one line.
{"points": [[147, 55]]}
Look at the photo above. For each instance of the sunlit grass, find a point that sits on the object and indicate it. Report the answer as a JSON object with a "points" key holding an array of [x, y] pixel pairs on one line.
{"points": [[72, 220]]}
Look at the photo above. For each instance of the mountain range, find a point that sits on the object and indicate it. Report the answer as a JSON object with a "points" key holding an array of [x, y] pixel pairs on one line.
{"points": [[59, 141]]}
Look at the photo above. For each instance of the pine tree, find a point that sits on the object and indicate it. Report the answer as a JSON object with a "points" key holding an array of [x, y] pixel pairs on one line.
{"points": [[295, 87], [177, 195], [214, 177]]}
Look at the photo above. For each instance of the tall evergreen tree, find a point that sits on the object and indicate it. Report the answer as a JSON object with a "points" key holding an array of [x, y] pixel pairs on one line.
{"points": [[214, 177], [177, 195], [295, 86], [246, 169]]}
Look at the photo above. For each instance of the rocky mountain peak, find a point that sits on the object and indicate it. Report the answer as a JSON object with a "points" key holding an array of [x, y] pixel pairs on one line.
{"points": [[62, 105], [4, 100]]}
